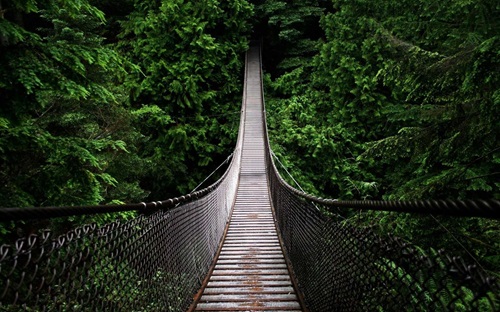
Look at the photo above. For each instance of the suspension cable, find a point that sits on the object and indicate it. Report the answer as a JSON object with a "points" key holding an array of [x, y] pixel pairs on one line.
{"points": [[458, 242], [483, 208], [284, 168], [290, 175], [216, 169]]}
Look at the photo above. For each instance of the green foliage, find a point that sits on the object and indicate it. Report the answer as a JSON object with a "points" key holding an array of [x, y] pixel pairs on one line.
{"points": [[447, 109], [401, 101], [408, 93], [187, 87], [63, 122], [150, 109], [340, 107], [290, 32], [85, 123]]}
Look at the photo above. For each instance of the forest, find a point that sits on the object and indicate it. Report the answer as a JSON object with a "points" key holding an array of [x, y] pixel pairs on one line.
{"points": [[109, 102]]}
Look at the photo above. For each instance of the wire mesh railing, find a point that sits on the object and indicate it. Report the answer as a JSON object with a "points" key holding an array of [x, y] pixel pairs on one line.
{"points": [[341, 265], [157, 261], [154, 262], [345, 264]]}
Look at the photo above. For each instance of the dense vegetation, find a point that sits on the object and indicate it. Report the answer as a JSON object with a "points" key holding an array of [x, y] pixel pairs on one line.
{"points": [[102, 108], [116, 101], [124, 101], [403, 95], [391, 100]]}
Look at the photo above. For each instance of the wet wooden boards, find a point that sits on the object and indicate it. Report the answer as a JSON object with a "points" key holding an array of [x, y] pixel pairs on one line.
{"points": [[251, 273]]}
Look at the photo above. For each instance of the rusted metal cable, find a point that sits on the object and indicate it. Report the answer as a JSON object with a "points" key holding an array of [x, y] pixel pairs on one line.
{"points": [[31, 213], [485, 208]]}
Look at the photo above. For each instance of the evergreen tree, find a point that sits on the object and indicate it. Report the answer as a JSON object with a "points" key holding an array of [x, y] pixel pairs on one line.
{"points": [[62, 119], [290, 32], [401, 103], [186, 95], [402, 94]]}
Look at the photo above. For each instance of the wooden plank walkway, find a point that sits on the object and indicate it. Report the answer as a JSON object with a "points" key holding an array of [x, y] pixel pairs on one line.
{"points": [[251, 273]]}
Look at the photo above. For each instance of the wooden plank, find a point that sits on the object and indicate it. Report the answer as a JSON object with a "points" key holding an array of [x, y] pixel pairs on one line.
{"points": [[230, 243], [243, 277], [250, 256], [242, 236], [249, 306], [251, 273], [263, 231], [252, 249], [246, 297], [250, 282], [250, 266], [249, 290], [251, 260], [255, 253]]}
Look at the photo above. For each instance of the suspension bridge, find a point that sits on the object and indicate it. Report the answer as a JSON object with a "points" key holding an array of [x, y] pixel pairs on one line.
{"points": [[248, 242]]}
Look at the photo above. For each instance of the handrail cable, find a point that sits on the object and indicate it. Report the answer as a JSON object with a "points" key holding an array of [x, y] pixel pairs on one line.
{"points": [[458, 242], [484, 208], [213, 172], [31, 213], [156, 260], [287, 172], [291, 177], [342, 266]]}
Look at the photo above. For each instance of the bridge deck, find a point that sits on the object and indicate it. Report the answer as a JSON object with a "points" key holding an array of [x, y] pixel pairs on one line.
{"points": [[251, 273]]}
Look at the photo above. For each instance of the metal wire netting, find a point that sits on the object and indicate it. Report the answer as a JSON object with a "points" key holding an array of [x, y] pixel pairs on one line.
{"points": [[154, 262], [157, 261], [342, 267], [151, 263]]}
